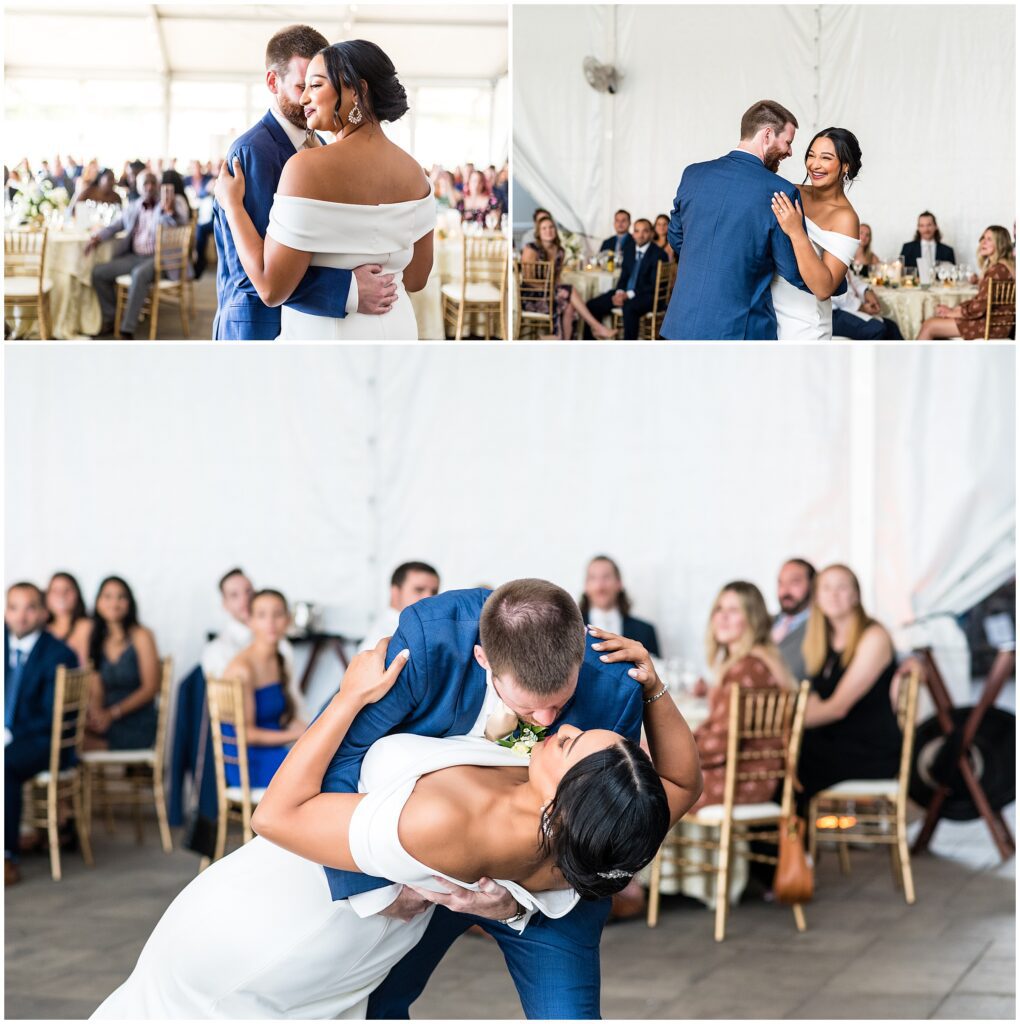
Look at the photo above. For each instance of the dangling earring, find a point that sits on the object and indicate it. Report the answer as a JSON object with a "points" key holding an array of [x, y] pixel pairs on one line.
{"points": [[546, 824], [846, 182], [355, 116]]}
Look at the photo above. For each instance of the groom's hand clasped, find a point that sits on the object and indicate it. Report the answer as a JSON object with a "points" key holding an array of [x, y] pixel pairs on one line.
{"points": [[377, 292]]}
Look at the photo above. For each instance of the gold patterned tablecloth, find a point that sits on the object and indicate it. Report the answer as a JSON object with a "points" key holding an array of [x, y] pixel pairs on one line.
{"points": [[74, 305], [910, 307]]}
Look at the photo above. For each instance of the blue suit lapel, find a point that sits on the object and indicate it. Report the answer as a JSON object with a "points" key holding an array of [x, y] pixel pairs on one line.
{"points": [[469, 701], [279, 136]]}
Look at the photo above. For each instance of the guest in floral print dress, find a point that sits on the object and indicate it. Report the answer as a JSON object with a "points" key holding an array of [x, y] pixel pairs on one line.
{"points": [[478, 201], [741, 652], [995, 258]]}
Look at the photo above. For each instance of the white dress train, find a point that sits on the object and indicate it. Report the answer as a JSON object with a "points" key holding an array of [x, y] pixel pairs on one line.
{"points": [[346, 235], [799, 315], [257, 936]]}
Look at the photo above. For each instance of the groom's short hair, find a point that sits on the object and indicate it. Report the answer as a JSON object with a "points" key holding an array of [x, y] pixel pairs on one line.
{"points": [[765, 114], [533, 630], [293, 41]]}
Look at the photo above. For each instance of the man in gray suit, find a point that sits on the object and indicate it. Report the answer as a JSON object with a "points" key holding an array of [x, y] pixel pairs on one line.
{"points": [[134, 254], [796, 581]]}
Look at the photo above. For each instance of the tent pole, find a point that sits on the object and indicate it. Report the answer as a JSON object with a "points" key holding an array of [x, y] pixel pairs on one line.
{"points": [[863, 468]]}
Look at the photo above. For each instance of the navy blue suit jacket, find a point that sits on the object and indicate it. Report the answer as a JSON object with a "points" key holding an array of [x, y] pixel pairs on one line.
{"points": [[33, 714], [728, 247], [629, 245], [240, 313], [911, 253], [644, 289], [440, 693]]}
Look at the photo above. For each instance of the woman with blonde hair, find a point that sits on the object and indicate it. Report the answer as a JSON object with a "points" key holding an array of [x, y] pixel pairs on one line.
{"points": [[967, 321], [851, 731], [740, 651]]}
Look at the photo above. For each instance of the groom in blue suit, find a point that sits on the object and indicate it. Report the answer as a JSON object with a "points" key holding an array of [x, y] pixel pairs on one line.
{"points": [[447, 689], [727, 241], [262, 152]]}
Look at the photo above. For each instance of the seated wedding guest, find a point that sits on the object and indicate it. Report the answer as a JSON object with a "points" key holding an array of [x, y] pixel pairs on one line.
{"points": [[102, 191], [606, 605], [410, 582], [134, 252], [927, 243], [739, 650], [478, 200], [122, 715], [661, 228], [199, 182], [796, 578], [201, 185], [31, 659], [529, 235], [856, 314], [501, 189], [271, 722], [445, 191], [236, 592], [129, 179], [635, 290], [968, 320], [621, 242], [851, 730], [864, 256], [566, 302], [68, 619]]}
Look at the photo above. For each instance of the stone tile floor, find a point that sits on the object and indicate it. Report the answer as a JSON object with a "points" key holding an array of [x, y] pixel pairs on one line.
{"points": [[866, 954]]}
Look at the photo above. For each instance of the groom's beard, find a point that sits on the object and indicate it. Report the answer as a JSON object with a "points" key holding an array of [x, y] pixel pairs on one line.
{"points": [[294, 112]]}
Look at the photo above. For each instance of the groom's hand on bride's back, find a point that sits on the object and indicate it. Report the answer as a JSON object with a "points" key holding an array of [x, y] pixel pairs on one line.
{"points": [[376, 291]]}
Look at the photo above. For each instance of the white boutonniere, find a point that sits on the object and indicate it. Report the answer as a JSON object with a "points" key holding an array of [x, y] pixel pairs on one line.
{"points": [[504, 728]]}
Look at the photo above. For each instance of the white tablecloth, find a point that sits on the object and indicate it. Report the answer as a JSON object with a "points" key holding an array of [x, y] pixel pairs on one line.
{"points": [[910, 307], [74, 306], [589, 283]]}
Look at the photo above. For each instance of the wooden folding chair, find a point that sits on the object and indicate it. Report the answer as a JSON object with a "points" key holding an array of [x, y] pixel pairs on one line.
{"points": [[1001, 311], [170, 282], [651, 322], [536, 288], [26, 286], [482, 288]]}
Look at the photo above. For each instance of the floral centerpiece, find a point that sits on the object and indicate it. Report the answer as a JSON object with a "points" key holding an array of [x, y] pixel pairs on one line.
{"points": [[35, 200], [572, 247]]}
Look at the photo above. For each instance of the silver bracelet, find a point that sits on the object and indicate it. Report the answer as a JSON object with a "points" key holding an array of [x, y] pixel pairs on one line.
{"points": [[661, 693], [519, 916]]}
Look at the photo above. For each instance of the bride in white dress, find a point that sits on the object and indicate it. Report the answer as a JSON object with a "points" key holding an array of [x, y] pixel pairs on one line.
{"points": [[257, 935], [825, 241], [359, 200]]}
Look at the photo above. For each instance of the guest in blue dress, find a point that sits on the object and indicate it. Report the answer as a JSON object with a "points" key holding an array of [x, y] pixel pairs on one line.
{"points": [[271, 722], [122, 712]]}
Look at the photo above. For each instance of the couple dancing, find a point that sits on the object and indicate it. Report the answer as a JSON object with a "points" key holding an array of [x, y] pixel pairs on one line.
{"points": [[426, 825], [757, 257], [337, 234]]}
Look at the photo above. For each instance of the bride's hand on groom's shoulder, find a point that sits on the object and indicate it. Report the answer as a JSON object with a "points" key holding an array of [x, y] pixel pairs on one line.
{"points": [[367, 678], [229, 188], [613, 648], [789, 214]]}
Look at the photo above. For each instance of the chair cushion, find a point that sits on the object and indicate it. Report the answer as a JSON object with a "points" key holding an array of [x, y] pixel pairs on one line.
{"points": [[477, 291], [165, 283], [119, 757], [861, 788], [62, 776], [713, 813], [24, 287], [234, 794]]}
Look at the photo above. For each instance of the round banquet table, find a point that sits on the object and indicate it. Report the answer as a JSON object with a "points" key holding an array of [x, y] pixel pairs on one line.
{"points": [[589, 283], [74, 305], [910, 307]]}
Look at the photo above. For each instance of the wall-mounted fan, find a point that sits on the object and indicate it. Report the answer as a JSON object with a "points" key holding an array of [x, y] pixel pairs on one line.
{"points": [[601, 77]]}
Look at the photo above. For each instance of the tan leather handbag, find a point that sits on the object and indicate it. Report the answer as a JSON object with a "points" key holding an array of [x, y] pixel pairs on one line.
{"points": [[795, 872]]}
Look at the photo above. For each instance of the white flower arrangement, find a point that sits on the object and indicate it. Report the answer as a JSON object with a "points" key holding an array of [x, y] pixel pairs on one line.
{"points": [[523, 739], [33, 200], [572, 245]]}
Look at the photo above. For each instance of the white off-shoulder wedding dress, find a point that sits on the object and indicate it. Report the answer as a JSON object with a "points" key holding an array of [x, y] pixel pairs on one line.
{"points": [[256, 935], [799, 315], [346, 236]]}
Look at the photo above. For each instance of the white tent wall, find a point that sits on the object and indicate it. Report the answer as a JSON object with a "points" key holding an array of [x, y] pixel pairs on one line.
{"points": [[319, 469], [928, 90]]}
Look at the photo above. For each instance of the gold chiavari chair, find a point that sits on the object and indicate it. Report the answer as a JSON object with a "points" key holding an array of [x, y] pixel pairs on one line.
{"points": [[26, 286], [170, 282], [45, 793], [873, 811], [482, 289], [1001, 310], [774, 719], [651, 322], [139, 778], [536, 287], [225, 698]]}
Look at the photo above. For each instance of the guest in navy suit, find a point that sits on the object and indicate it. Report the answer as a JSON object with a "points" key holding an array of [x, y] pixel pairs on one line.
{"points": [[606, 604], [474, 655], [262, 151], [635, 291], [927, 242], [621, 243], [31, 659], [728, 245]]}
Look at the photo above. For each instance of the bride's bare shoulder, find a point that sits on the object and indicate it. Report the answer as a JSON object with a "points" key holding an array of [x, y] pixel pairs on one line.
{"points": [[435, 829], [844, 219], [302, 173]]}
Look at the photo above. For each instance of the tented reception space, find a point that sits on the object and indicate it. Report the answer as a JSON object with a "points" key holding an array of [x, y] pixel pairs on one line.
{"points": [[760, 491], [613, 102], [96, 96]]}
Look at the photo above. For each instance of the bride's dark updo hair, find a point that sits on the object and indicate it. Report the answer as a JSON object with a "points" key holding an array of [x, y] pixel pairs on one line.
{"points": [[355, 61], [848, 149], [607, 820]]}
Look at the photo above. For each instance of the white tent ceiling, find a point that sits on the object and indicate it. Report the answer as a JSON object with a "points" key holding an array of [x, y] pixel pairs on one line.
{"points": [[433, 42]]}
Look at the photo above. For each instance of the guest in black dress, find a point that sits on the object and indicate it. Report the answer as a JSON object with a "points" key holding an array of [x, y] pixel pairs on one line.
{"points": [[851, 730], [122, 715]]}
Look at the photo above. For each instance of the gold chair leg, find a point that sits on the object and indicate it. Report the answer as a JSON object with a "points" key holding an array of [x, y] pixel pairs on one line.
{"points": [[221, 833], [86, 785], [81, 826], [119, 311], [894, 863], [159, 795], [653, 890], [137, 813], [460, 322], [844, 858], [246, 831], [798, 917], [184, 314], [722, 885], [154, 315], [53, 833], [903, 850]]}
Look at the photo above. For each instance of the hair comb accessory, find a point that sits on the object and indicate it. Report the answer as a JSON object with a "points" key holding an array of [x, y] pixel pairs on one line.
{"points": [[616, 873]]}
